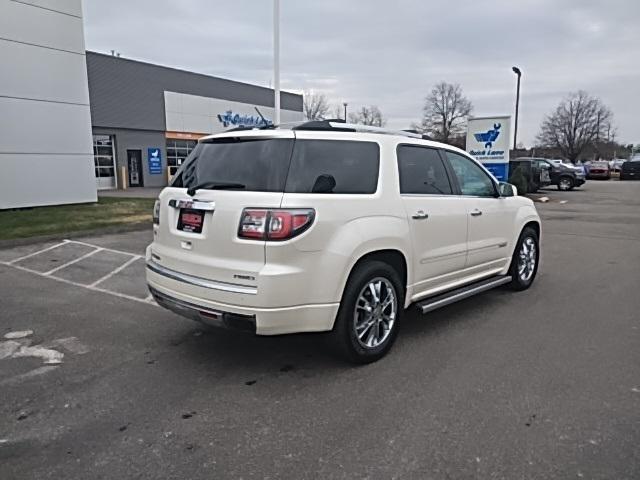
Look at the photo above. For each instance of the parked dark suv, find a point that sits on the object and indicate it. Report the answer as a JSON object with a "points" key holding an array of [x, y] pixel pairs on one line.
{"points": [[630, 170], [533, 179], [562, 176]]}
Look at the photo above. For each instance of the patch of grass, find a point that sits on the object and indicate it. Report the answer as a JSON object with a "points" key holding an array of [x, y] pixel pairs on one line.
{"points": [[107, 212]]}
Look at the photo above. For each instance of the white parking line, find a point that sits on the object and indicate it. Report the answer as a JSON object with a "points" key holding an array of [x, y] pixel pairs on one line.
{"points": [[93, 286], [105, 248], [64, 265], [113, 272], [88, 287], [15, 260]]}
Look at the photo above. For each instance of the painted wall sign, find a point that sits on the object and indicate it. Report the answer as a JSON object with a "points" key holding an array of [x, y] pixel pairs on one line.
{"points": [[229, 118], [488, 141], [154, 158]]}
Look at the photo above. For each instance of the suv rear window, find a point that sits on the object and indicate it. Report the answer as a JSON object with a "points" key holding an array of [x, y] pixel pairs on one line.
{"points": [[259, 164], [334, 166], [270, 165]]}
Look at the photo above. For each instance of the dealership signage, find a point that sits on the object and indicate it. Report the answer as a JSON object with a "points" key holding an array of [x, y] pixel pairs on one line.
{"points": [[154, 157], [488, 141], [229, 118]]}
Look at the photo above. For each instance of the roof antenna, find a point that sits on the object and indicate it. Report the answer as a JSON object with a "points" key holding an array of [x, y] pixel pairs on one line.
{"points": [[264, 120]]}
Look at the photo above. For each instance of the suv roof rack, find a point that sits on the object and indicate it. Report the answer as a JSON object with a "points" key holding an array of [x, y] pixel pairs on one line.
{"points": [[339, 125], [334, 125]]}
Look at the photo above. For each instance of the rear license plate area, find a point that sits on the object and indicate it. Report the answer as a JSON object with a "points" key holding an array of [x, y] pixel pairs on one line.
{"points": [[190, 220]]}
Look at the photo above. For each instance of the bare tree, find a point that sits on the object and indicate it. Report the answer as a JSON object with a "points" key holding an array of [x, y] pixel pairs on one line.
{"points": [[610, 131], [315, 105], [578, 121], [445, 112], [368, 116]]}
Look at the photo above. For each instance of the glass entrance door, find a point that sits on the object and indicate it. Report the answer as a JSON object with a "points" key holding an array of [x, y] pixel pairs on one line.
{"points": [[134, 164]]}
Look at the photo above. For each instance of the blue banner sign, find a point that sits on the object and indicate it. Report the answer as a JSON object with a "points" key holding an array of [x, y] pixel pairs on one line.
{"points": [[154, 157]]}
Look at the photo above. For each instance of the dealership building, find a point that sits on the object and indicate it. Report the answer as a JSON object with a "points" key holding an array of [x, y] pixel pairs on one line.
{"points": [[73, 122], [45, 123], [147, 118]]}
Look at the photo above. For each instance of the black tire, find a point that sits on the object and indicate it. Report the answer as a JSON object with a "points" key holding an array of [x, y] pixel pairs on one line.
{"points": [[519, 282], [344, 338], [565, 183]]}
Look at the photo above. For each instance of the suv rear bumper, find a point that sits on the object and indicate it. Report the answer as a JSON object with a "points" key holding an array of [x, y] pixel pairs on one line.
{"points": [[167, 287], [199, 313]]}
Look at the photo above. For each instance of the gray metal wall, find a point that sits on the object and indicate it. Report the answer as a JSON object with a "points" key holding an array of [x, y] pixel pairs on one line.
{"points": [[130, 94], [138, 140]]}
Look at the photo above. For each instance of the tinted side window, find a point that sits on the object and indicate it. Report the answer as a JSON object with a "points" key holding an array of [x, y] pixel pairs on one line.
{"points": [[333, 166], [472, 179], [422, 171]]}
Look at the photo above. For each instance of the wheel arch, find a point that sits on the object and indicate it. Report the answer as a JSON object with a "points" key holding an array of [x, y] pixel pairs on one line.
{"points": [[527, 217], [533, 224], [392, 257]]}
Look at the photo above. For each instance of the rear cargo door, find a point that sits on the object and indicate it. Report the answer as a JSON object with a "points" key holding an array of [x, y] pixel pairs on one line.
{"points": [[198, 229]]}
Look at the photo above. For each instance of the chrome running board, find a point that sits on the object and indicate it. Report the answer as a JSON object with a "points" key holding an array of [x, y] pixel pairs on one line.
{"points": [[447, 298]]}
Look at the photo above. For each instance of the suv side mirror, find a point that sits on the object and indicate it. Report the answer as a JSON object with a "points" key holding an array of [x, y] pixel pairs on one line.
{"points": [[507, 190]]}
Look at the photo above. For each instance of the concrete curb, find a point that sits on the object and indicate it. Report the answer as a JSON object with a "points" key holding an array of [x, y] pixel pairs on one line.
{"points": [[17, 242]]}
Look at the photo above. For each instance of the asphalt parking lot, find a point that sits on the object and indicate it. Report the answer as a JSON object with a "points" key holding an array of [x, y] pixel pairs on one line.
{"points": [[540, 384]]}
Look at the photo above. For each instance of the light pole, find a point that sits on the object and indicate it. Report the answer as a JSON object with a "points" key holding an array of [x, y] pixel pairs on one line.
{"points": [[517, 71], [345, 112], [276, 61]]}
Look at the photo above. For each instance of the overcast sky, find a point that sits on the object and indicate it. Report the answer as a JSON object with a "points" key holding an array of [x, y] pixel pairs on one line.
{"points": [[390, 53]]}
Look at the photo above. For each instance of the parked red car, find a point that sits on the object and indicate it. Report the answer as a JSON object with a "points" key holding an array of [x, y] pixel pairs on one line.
{"points": [[599, 170]]}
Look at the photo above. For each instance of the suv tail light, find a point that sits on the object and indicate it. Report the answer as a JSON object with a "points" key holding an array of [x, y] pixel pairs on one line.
{"points": [[156, 212], [274, 224]]}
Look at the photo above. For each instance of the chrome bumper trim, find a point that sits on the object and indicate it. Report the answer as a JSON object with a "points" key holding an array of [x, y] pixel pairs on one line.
{"points": [[199, 281], [205, 315]]}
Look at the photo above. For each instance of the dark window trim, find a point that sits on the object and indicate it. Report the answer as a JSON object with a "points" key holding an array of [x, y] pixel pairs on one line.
{"points": [[447, 169], [496, 191], [455, 185]]}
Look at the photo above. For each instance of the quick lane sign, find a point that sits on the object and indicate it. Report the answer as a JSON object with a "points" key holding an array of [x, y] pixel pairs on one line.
{"points": [[488, 141]]}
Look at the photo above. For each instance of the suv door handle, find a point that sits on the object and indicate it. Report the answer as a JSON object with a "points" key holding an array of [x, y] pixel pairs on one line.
{"points": [[476, 213], [420, 215]]}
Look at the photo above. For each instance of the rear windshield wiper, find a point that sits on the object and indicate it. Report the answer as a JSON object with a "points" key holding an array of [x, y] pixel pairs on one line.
{"points": [[214, 186]]}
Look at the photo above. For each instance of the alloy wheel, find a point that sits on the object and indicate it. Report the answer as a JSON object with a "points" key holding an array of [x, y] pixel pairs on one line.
{"points": [[375, 312], [527, 258]]}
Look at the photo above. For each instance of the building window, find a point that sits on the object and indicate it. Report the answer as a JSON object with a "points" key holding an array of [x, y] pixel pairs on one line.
{"points": [[104, 161], [177, 151]]}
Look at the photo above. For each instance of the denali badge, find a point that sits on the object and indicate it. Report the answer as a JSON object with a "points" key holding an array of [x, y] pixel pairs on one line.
{"points": [[244, 277]]}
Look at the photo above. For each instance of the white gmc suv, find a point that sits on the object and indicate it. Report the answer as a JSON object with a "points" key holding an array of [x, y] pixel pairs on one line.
{"points": [[328, 226]]}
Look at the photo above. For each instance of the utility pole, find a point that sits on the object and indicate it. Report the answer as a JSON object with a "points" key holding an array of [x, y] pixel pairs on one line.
{"points": [[596, 154], [345, 112], [276, 61]]}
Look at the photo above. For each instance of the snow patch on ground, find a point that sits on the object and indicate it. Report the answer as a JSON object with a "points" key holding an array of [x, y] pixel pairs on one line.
{"points": [[18, 334]]}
